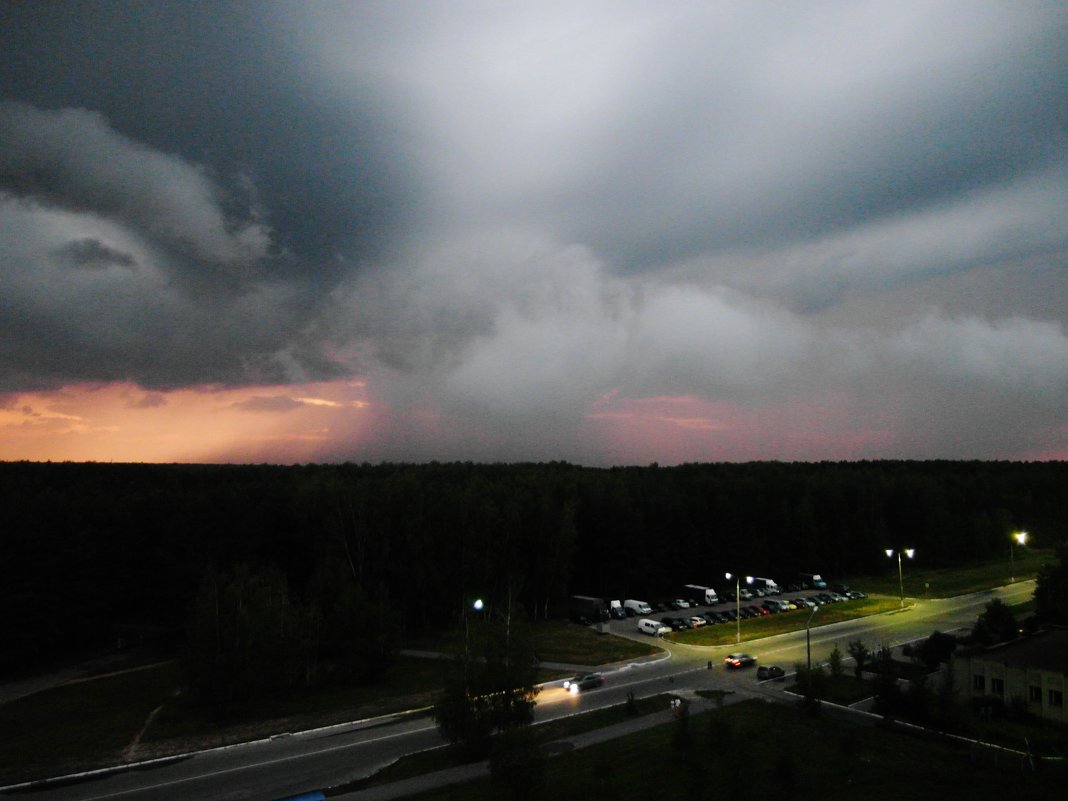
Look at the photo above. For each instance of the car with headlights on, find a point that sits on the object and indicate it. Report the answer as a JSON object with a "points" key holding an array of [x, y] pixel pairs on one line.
{"points": [[587, 681]]}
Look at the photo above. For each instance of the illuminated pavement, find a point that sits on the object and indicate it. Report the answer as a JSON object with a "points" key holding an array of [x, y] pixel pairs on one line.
{"points": [[292, 764]]}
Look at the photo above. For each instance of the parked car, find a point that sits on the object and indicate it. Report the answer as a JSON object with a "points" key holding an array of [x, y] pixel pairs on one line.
{"points": [[585, 682], [678, 603], [696, 621], [802, 603], [730, 614], [765, 672], [856, 595], [736, 661], [711, 618], [760, 611]]}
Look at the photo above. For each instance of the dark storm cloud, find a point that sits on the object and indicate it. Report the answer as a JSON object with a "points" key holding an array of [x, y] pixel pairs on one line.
{"points": [[93, 254], [505, 213]]}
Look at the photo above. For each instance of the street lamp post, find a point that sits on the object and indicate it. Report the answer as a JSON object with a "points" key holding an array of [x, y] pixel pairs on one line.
{"points": [[808, 639], [909, 552], [477, 606], [738, 600], [1017, 537]]}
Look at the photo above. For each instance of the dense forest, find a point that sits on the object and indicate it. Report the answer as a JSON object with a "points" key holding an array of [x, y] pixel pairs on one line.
{"points": [[97, 552]]}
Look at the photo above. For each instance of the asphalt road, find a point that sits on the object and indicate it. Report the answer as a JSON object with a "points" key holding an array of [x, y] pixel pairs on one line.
{"points": [[292, 764]]}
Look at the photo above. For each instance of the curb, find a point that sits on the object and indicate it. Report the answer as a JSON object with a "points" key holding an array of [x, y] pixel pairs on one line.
{"points": [[70, 778]]}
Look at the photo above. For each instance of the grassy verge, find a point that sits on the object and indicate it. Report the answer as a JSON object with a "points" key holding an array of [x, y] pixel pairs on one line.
{"points": [[559, 641], [757, 628], [843, 690], [79, 726], [90, 724], [728, 753], [441, 758], [920, 582]]}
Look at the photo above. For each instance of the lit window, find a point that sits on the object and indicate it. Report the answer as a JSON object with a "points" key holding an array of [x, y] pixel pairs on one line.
{"points": [[979, 683], [1056, 698]]}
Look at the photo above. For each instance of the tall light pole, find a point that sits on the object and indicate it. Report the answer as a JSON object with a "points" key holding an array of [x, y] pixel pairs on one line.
{"points": [[738, 600], [909, 552], [808, 639], [1017, 537], [477, 606]]}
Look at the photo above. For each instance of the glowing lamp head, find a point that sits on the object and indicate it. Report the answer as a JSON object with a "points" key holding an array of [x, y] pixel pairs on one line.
{"points": [[1020, 537], [909, 552], [477, 605], [889, 552]]}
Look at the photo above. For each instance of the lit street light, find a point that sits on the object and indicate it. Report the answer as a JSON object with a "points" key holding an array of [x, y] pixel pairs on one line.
{"points": [[738, 600], [1017, 537], [900, 577]]}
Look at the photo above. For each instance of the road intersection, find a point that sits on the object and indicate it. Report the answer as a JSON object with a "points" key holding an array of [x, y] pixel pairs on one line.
{"points": [[291, 764]]}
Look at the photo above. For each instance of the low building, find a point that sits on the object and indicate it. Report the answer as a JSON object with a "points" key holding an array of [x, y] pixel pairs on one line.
{"points": [[1031, 670]]}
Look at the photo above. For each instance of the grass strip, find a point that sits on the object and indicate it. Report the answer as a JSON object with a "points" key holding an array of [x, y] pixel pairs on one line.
{"points": [[784, 622], [921, 582], [730, 753], [441, 758]]}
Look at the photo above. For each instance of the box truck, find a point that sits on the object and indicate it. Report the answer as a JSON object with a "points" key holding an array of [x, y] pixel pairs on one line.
{"points": [[699, 594], [767, 585], [584, 608], [813, 580]]}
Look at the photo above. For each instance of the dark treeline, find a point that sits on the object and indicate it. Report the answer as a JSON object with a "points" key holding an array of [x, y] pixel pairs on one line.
{"points": [[93, 552]]}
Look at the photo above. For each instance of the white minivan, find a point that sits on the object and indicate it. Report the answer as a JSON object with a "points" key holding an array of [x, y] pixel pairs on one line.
{"points": [[635, 608], [653, 628]]}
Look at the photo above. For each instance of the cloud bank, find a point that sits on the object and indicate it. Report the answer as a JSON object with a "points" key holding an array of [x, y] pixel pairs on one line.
{"points": [[612, 232]]}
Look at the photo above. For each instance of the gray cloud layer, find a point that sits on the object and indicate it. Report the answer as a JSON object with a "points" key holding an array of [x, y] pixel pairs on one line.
{"points": [[508, 212]]}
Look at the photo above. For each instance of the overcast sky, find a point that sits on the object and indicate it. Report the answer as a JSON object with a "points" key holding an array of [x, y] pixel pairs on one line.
{"points": [[617, 232]]}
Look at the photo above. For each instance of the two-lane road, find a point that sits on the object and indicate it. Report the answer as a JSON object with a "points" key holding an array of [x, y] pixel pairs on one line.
{"points": [[292, 764]]}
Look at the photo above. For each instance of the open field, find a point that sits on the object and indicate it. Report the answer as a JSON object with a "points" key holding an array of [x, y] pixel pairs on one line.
{"points": [[559, 641], [783, 622], [945, 583], [717, 759], [555, 641]]}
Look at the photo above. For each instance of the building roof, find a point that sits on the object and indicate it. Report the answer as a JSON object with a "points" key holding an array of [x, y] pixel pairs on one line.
{"points": [[1046, 650]]}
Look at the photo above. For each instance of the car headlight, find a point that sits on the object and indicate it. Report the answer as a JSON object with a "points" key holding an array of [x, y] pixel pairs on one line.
{"points": [[574, 688]]}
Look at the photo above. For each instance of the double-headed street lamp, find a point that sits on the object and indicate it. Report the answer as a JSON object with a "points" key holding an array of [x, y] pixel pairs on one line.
{"points": [[909, 552], [1018, 537], [738, 600]]}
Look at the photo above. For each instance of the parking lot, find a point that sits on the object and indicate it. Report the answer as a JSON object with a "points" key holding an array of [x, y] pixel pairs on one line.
{"points": [[679, 614]]}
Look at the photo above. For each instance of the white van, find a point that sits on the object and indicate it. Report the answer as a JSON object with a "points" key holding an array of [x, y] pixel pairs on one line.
{"points": [[653, 628], [635, 608]]}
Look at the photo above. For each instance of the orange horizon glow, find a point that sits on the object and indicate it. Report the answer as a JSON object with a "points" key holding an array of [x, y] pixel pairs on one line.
{"points": [[121, 422]]}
